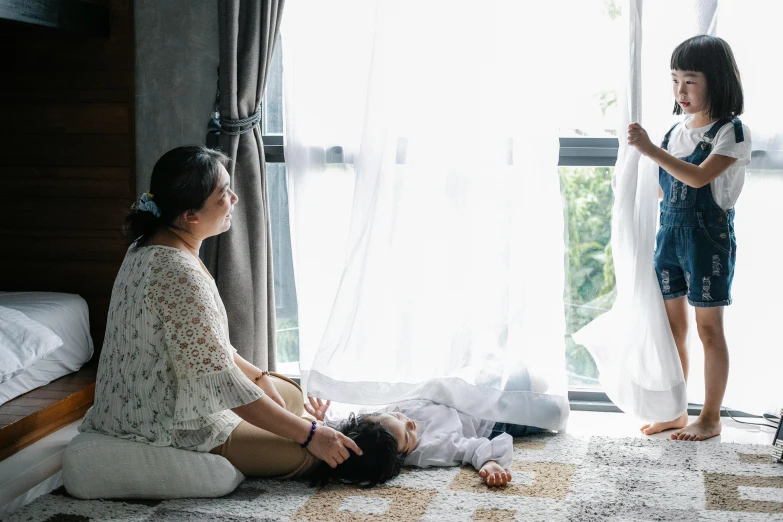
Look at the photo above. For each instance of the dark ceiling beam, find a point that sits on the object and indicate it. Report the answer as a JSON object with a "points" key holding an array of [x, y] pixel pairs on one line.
{"points": [[72, 16]]}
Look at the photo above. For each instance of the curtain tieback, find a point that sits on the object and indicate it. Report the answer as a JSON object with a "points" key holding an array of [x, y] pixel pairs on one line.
{"points": [[242, 125]]}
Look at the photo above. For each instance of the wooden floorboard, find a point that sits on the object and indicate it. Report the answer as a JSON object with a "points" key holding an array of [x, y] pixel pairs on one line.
{"points": [[34, 415]]}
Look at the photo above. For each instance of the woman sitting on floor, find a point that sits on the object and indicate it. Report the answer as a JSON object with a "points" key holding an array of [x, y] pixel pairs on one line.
{"points": [[168, 375]]}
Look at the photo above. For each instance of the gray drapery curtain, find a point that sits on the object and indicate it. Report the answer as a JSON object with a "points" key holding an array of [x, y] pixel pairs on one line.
{"points": [[241, 259]]}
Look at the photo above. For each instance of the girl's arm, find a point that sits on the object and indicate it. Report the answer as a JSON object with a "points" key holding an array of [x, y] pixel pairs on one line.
{"points": [[265, 383], [695, 176]]}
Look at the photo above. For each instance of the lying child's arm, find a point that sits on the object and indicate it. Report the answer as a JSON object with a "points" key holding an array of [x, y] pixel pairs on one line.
{"points": [[492, 458], [488, 457], [494, 474], [317, 408]]}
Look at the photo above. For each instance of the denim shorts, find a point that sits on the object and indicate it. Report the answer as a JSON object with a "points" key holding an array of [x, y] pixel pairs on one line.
{"points": [[695, 254]]}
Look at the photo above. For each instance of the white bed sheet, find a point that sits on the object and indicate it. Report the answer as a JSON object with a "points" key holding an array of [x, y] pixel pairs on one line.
{"points": [[65, 314]]}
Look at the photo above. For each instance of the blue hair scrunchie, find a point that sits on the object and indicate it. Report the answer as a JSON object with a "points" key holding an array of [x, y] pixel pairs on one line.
{"points": [[147, 205]]}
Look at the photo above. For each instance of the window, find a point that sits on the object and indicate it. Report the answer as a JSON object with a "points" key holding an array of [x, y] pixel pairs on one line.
{"points": [[589, 283], [285, 287], [588, 151]]}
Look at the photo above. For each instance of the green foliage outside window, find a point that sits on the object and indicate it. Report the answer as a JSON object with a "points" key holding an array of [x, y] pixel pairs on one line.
{"points": [[590, 282], [287, 339]]}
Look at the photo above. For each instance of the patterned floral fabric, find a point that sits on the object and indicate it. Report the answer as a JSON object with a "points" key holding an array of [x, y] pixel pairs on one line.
{"points": [[166, 375]]}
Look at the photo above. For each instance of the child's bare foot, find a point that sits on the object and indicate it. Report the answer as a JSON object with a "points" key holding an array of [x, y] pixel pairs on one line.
{"points": [[700, 429], [657, 427]]}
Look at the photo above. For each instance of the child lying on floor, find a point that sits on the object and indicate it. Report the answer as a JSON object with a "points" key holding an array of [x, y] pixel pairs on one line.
{"points": [[422, 433], [439, 436]]}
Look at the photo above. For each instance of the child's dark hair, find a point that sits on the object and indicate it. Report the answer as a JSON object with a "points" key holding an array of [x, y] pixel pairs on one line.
{"points": [[712, 56], [381, 459], [182, 180]]}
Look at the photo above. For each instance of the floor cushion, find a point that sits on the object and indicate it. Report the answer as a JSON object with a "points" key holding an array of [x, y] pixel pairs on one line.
{"points": [[102, 466]]}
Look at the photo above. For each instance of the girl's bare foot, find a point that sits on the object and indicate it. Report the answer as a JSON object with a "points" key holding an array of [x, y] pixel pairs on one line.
{"points": [[700, 429], [657, 427]]}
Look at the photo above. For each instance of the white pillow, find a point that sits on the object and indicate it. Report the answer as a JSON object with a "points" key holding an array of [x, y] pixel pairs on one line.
{"points": [[22, 342], [102, 466]]}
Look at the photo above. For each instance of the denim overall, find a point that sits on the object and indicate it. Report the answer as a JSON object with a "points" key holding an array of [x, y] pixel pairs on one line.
{"points": [[695, 247]]}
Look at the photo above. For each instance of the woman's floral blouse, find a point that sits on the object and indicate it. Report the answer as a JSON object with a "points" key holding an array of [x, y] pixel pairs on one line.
{"points": [[166, 374]]}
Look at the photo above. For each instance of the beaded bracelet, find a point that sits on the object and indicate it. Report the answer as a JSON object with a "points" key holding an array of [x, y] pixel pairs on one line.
{"points": [[312, 432], [264, 372]]}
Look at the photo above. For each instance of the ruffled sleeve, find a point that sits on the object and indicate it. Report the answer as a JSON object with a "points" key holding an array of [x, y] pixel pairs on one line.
{"points": [[208, 380]]}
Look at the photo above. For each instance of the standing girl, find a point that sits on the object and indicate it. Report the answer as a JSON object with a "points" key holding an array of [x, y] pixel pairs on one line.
{"points": [[702, 169]]}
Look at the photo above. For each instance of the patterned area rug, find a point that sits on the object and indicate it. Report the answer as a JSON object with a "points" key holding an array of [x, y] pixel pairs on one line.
{"points": [[556, 478]]}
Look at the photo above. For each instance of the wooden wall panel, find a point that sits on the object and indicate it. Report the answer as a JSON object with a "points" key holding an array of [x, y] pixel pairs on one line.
{"points": [[77, 277], [67, 87], [65, 118], [93, 245], [66, 213], [99, 150], [67, 163], [67, 188]]}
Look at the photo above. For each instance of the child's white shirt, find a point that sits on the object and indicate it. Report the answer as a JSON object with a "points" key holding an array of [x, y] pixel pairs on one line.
{"points": [[447, 437], [725, 188]]}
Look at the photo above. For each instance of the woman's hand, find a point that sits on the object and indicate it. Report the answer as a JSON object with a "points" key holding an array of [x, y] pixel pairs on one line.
{"points": [[637, 137], [331, 446], [317, 408], [494, 474]]}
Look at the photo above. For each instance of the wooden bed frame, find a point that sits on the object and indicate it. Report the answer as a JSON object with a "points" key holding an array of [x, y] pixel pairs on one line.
{"points": [[37, 413], [67, 168]]}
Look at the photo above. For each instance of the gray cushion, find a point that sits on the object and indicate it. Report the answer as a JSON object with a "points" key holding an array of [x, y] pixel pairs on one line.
{"points": [[101, 466]]}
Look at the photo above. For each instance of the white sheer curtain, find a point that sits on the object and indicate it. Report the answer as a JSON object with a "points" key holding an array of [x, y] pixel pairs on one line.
{"points": [[639, 367], [446, 281]]}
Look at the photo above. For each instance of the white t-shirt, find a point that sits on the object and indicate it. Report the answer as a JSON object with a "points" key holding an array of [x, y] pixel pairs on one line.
{"points": [[725, 188]]}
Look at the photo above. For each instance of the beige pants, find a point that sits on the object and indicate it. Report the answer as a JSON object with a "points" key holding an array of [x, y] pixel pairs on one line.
{"points": [[259, 453]]}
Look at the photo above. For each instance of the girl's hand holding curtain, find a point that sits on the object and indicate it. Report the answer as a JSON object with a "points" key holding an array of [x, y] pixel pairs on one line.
{"points": [[637, 137], [317, 408]]}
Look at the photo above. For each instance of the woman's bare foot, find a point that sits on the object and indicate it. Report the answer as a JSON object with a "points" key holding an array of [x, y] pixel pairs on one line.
{"points": [[657, 427], [700, 429]]}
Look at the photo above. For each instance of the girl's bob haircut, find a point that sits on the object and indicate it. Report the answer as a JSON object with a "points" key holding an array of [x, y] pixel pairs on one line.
{"points": [[712, 56]]}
